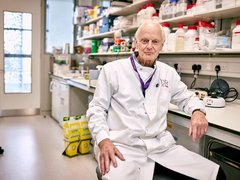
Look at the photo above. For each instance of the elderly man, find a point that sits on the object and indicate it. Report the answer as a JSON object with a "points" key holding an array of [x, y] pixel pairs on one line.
{"points": [[128, 115]]}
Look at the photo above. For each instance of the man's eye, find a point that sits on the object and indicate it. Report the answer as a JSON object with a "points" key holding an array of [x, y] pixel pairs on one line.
{"points": [[144, 41], [155, 41]]}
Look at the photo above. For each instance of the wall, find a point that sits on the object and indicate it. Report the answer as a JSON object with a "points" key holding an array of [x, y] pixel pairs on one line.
{"points": [[32, 100], [230, 68], [229, 62]]}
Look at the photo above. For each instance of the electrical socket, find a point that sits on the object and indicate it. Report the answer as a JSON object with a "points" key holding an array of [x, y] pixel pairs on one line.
{"points": [[224, 67], [208, 67]]}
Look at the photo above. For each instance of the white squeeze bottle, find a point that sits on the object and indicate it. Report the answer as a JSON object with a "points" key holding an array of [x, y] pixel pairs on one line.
{"points": [[181, 8], [150, 10], [180, 33], [155, 17], [190, 37], [236, 36], [173, 9], [166, 29], [162, 10], [141, 15]]}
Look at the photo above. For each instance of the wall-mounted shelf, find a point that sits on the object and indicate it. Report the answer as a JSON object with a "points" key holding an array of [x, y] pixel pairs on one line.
{"points": [[127, 10], [126, 31], [100, 36], [215, 52], [110, 54], [230, 51], [134, 8], [92, 21], [209, 15]]}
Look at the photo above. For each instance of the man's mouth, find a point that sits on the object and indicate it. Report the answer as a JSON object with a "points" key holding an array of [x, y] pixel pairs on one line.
{"points": [[148, 53]]}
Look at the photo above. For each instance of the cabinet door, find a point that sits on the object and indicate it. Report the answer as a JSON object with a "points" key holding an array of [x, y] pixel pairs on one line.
{"points": [[64, 94], [55, 99]]}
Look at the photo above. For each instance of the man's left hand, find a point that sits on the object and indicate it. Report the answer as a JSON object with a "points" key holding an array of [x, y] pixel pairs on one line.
{"points": [[198, 125]]}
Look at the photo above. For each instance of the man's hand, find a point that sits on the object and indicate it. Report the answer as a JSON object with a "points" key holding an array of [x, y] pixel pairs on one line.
{"points": [[108, 153], [198, 125]]}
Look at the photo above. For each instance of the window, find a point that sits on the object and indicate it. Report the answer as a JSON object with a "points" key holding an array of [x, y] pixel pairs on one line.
{"points": [[17, 52], [59, 24]]}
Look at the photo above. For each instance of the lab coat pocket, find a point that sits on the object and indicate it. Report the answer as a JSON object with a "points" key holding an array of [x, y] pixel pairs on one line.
{"points": [[166, 140], [163, 99], [125, 136]]}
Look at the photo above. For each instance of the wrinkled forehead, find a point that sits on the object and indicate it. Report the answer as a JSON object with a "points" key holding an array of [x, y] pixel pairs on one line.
{"points": [[150, 31]]}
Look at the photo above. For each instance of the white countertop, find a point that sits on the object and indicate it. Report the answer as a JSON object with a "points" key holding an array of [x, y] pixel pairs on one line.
{"points": [[227, 117]]}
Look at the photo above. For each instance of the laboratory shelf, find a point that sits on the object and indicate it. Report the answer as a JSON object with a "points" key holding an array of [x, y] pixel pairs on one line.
{"points": [[127, 10], [134, 8], [92, 21], [210, 53], [221, 13], [110, 34], [100, 36], [110, 54]]}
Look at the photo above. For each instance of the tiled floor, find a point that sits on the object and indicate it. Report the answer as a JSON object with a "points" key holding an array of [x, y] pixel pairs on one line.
{"points": [[33, 151]]}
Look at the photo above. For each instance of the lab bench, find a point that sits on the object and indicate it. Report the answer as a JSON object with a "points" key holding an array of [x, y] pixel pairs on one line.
{"points": [[220, 144]]}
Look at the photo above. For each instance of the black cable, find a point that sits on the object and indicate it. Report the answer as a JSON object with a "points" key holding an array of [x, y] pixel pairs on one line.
{"points": [[194, 68], [231, 98], [193, 83], [217, 69]]}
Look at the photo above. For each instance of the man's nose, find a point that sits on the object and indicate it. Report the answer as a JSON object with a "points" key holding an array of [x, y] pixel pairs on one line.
{"points": [[149, 44]]}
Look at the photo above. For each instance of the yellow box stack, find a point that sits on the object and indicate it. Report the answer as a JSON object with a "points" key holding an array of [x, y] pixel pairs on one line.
{"points": [[76, 135]]}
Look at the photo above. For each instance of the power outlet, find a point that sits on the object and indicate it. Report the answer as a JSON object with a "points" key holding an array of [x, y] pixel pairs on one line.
{"points": [[208, 67], [224, 67]]}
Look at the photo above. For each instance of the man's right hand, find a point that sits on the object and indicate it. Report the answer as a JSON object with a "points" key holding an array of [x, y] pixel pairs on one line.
{"points": [[108, 153]]}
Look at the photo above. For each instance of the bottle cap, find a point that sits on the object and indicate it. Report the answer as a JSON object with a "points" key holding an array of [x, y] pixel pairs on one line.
{"points": [[238, 22], [165, 25], [192, 28], [180, 25]]}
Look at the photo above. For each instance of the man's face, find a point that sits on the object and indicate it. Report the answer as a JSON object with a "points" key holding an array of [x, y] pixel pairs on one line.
{"points": [[149, 44]]}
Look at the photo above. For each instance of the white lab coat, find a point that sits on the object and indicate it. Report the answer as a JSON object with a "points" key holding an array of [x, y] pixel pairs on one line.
{"points": [[137, 124]]}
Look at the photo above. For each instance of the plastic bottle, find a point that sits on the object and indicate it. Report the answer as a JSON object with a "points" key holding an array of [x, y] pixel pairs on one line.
{"points": [[165, 10], [210, 5], [162, 10], [166, 29], [171, 45], [168, 9], [227, 4], [190, 37], [237, 2], [219, 4], [236, 36], [155, 17], [141, 15], [173, 9], [181, 8], [200, 6], [150, 10], [180, 33]]}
